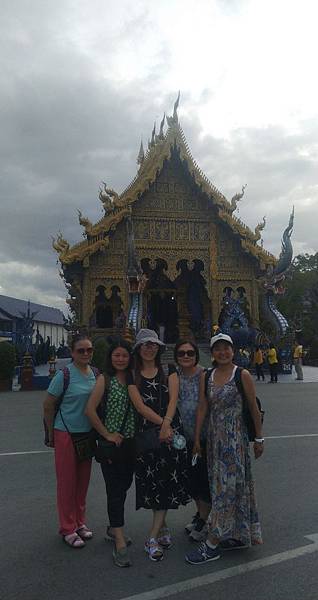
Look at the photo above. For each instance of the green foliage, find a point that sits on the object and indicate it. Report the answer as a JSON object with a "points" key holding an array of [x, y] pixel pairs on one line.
{"points": [[7, 361], [300, 302], [99, 354]]}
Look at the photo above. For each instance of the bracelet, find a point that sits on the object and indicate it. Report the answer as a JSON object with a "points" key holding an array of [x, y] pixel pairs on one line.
{"points": [[259, 440], [167, 418]]}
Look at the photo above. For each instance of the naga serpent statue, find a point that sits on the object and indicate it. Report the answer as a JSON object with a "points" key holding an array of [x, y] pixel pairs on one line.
{"points": [[273, 282]]}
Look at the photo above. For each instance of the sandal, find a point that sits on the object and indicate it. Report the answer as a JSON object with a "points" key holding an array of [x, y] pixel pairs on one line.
{"points": [[84, 532], [73, 540], [153, 550], [164, 538]]}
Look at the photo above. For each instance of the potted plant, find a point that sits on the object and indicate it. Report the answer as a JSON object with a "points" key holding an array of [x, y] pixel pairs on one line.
{"points": [[7, 365]]}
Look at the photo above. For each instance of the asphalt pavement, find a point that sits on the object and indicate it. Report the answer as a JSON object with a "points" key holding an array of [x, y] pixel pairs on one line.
{"points": [[35, 564]]}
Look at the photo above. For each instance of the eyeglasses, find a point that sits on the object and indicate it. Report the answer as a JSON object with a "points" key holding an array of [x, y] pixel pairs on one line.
{"points": [[149, 345], [84, 350], [182, 353]]}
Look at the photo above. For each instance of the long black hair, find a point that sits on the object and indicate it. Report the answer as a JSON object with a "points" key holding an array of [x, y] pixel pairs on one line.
{"points": [[117, 342]]}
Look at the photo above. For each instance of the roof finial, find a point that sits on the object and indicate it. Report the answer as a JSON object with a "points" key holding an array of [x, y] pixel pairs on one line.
{"points": [[153, 135], [237, 198], [141, 155], [174, 119], [161, 134], [175, 108]]}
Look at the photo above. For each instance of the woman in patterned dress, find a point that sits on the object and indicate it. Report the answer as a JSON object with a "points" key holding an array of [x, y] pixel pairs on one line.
{"points": [[161, 474], [233, 521], [186, 355], [119, 428]]}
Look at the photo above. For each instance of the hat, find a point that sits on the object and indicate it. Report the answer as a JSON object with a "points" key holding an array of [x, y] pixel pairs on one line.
{"points": [[221, 337], [147, 335]]}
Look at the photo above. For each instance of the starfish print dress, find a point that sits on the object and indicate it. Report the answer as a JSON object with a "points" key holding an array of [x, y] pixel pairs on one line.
{"points": [[161, 475], [234, 512]]}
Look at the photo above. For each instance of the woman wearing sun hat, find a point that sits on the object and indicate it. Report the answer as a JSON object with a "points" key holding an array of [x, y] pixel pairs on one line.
{"points": [[161, 468], [233, 521]]}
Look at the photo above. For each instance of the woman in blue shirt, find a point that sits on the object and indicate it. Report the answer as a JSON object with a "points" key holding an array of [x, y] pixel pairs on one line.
{"points": [[72, 476]]}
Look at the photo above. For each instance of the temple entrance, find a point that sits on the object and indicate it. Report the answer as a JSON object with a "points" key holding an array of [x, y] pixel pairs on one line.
{"points": [[162, 314]]}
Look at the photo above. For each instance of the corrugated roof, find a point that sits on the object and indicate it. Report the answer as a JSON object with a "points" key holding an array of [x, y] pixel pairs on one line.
{"points": [[46, 314]]}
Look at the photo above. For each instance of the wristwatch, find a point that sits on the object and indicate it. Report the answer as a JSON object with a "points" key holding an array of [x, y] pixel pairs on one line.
{"points": [[259, 440]]}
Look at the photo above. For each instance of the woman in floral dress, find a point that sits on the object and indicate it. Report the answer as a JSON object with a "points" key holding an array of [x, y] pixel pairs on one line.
{"points": [[233, 521]]}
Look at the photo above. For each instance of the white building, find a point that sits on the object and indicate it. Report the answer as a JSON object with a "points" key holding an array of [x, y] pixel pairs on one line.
{"points": [[48, 321]]}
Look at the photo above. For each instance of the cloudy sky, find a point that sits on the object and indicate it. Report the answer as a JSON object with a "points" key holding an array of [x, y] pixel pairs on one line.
{"points": [[83, 80]]}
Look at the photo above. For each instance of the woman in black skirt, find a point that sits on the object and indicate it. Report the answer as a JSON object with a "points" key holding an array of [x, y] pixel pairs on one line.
{"points": [[161, 472]]}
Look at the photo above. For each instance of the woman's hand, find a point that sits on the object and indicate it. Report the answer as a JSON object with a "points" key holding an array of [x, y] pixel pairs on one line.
{"points": [[196, 449], [258, 449], [50, 443], [166, 432], [115, 437]]}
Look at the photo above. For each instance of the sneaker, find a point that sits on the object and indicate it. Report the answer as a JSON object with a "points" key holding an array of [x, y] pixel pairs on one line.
{"points": [[153, 550], [202, 554], [232, 544], [164, 539], [121, 557], [199, 533], [109, 537], [190, 526]]}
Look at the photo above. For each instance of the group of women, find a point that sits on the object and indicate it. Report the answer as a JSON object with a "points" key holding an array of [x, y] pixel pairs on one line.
{"points": [[179, 430]]}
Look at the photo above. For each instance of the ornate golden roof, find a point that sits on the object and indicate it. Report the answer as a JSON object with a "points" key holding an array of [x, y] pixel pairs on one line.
{"points": [[150, 163]]}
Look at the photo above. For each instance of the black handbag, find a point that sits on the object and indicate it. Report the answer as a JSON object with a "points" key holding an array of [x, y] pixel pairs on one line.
{"points": [[108, 451], [84, 443]]}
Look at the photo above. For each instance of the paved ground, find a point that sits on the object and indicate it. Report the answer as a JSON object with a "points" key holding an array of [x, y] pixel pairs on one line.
{"points": [[35, 565]]}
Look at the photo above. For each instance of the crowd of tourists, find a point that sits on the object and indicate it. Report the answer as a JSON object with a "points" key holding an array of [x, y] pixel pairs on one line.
{"points": [[178, 431]]}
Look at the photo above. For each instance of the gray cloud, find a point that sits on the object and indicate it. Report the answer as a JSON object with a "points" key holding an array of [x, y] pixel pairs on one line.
{"points": [[66, 126]]}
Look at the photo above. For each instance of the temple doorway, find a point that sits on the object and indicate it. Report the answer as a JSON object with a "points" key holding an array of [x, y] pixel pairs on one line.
{"points": [[162, 314]]}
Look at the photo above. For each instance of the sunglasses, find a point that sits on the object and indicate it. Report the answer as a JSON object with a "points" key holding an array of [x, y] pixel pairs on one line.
{"points": [[84, 350], [182, 353]]}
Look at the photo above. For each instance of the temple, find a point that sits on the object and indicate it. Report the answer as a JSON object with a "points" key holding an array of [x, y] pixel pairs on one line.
{"points": [[170, 253]]}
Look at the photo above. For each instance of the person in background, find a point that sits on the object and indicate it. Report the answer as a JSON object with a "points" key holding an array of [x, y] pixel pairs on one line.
{"points": [[233, 520], [259, 361], [273, 363], [72, 476], [117, 426], [298, 362], [186, 355]]}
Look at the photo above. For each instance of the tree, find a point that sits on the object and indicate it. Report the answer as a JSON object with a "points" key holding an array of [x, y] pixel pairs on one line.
{"points": [[300, 302]]}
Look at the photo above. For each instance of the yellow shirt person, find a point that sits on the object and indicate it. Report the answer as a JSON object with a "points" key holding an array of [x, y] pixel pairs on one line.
{"points": [[272, 356], [273, 363]]}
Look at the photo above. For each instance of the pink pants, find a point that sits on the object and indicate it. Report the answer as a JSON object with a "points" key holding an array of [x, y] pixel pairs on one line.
{"points": [[72, 483]]}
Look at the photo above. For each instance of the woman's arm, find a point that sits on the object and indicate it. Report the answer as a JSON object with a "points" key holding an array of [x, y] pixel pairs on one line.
{"points": [[200, 415], [142, 408], [91, 412], [250, 394], [48, 414], [166, 432]]}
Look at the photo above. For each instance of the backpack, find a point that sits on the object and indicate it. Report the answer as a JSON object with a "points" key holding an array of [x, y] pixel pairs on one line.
{"points": [[66, 382], [245, 408]]}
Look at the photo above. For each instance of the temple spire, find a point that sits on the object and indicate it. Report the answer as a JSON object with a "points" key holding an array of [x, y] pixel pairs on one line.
{"points": [[174, 119], [153, 135], [161, 134], [141, 154]]}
